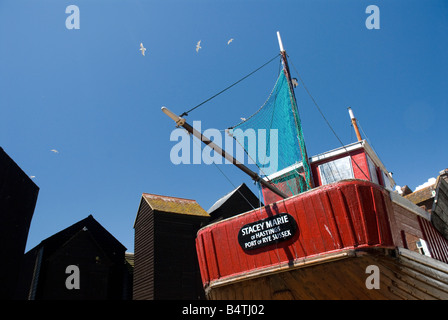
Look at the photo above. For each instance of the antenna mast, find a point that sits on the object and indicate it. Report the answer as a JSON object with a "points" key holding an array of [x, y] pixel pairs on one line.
{"points": [[355, 124]]}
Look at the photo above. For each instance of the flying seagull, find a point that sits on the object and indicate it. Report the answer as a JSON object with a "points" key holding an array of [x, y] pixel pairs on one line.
{"points": [[228, 42], [54, 150], [142, 48], [243, 119], [198, 46]]}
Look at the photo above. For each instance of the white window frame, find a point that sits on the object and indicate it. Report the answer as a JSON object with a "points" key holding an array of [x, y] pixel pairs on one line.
{"points": [[336, 170]]}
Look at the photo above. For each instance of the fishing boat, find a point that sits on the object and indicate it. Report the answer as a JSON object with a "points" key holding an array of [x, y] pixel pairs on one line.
{"points": [[332, 226]]}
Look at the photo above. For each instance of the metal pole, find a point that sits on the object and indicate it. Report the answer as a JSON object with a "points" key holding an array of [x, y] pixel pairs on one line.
{"points": [[280, 43], [355, 124], [181, 122]]}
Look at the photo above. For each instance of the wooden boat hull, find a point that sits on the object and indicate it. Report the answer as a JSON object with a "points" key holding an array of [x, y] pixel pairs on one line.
{"points": [[341, 230], [403, 274]]}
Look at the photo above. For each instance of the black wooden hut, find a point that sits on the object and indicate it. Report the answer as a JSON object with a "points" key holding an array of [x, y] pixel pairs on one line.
{"points": [[165, 259], [18, 196], [98, 256], [239, 200]]}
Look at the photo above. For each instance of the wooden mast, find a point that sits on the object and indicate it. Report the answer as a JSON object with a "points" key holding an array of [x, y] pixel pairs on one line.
{"points": [[355, 124], [181, 122], [308, 173]]}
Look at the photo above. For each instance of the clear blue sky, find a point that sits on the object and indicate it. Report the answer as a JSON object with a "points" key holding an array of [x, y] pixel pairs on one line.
{"points": [[91, 95]]}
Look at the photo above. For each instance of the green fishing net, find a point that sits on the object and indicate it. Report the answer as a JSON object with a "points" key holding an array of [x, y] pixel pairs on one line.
{"points": [[273, 139]]}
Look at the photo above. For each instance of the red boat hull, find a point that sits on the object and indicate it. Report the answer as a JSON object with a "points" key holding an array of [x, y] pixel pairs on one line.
{"points": [[347, 216]]}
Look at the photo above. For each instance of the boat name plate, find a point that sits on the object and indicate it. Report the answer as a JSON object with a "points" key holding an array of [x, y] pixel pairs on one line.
{"points": [[268, 231]]}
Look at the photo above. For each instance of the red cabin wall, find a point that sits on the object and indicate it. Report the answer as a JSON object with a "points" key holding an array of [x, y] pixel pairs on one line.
{"points": [[360, 165]]}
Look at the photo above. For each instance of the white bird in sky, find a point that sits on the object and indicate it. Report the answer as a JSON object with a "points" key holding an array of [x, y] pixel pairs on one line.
{"points": [[32, 177], [54, 150], [228, 42], [243, 119], [142, 48], [198, 46]]}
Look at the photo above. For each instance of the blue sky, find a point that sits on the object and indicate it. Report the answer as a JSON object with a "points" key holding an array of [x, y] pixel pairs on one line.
{"points": [[91, 95]]}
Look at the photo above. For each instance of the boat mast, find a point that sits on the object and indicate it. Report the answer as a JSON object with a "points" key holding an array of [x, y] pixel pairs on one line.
{"points": [[354, 123], [305, 159], [181, 122]]}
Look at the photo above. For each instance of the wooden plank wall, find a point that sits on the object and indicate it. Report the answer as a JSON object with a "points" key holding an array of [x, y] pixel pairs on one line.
{"points": [[405, 223], [408, 224], [165, 258], [439, 215], [18, 196], [176, 264], [144, 254], [438, 245]]}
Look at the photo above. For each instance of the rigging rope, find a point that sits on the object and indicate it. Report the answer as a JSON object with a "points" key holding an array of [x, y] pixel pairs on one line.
{"points": [[329, 125], [227, 178], [233, 84]]}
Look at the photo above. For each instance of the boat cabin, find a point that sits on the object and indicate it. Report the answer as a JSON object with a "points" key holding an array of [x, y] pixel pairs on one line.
{"points": [[353, 161]]}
